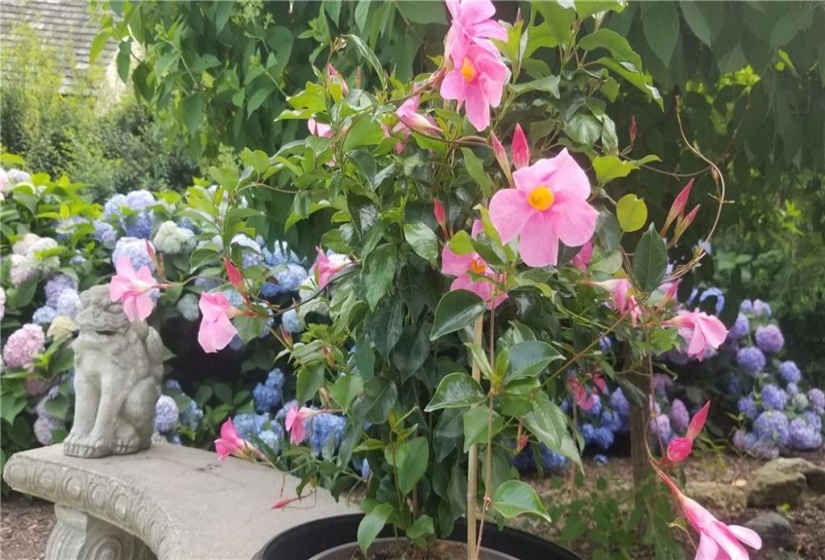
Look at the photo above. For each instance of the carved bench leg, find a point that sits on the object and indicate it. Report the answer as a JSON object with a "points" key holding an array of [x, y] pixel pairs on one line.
{"points": [[79, 536]]}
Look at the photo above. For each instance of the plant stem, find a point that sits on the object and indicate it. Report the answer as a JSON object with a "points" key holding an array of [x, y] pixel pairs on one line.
{"points": [[472, 459]]}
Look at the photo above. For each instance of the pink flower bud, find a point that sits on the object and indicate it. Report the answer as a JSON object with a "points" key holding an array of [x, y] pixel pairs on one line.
{"points": [[678, 206], [683, 223], [235, 276], [499, 152], [440, 214], [632, 129], [334, 76], [520, 148]]}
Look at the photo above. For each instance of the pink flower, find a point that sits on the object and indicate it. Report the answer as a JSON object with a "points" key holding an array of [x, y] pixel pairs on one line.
{"points": [[230, 443], [411, 119], [319, 129], [132, 289], [680, 448], [582, 395], [326, 268], [461, 266], [477, 78], [717, 541], [622, 302], [472, 23], [295, 418], [216, 330], [520, 148], [582, 258], [699, 330], [548, 204]]}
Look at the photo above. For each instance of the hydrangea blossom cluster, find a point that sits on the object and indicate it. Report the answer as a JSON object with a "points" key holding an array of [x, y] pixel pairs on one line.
{"points": [[166, 414], [23, 344], [132, 213], [269, 394], [46, 424], [173, 239]]}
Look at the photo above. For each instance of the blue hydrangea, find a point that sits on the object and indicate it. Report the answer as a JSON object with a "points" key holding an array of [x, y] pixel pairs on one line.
{"points": [[660, 428], [525, 461], [252, 255], [596, 409], [236, 344], [801, 435], [765, 449], [792, 389], [248, 425], [276, 378], [235, 299], [761, 309], [606, 344], [65, 228], [771, 426], [769, 338], [747, 406], [44, 315], [16, 176], [612, 421], [551, 460], [740, 328], [603, 438], [56, 285], [139, 225], [141, 200], [789, 372], [207, 283], [365, 469], [817, 398], [619, 404], [279, 255], [166, 414], [191, 416], [661, 382], [291, 322], [717, 293], [325, 427], [105, 233], [734, 385], [588, 432], [77, 260], [44, 428], [746, 306], [743, 440], [773, 398], [751, 360], [679, 416], [135, 249], [290, 278], [813, 419], [113, 209], [172, 384], [600, 459], [271, 439], [68, 303], [281, 414], [265, 397]]}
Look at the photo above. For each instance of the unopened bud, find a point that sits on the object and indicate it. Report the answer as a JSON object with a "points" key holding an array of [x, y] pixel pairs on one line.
{"points": [[632, 130], [678, 206], [520, 149]]}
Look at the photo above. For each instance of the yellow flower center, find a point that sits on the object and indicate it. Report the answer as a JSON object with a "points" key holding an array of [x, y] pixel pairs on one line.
{"points": [[468, 71], [478, 266], [541, 198]]}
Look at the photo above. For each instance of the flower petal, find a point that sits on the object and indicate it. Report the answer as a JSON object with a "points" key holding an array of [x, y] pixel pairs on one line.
{"points": [[539, 242], [509, 212], [453, 87], [478, 110], [575, 220], [708, 549], [569, 178], [747, 536]]}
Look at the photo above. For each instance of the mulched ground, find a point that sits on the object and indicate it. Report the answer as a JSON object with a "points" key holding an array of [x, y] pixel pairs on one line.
{"points": [[25, 524]]}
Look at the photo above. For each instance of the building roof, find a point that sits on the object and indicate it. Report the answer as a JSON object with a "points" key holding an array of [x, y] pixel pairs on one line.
{"points": [[66, 26]]}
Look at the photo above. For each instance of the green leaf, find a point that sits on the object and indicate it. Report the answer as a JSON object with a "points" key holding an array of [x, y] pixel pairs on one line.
{"points": [[367, 53], [124, 59], [10, 406], [633, 75], [422, 240], [660, 22], [618, 46], [584, 129], [461, 243], [547, 422], [260, 95], [421, 527], [696, 21], [365, 132], [423, 12], [192, 111], [631, 213], [456, 310], [558, 19], [529, 358], [364, 358], [412, 350], [310, 379], [480, 359], [98, 43], [379, 270], [411, 458], [796, 17], [345, 389], [586, 8], [387, 324], [550, 85], [456, 390], [608, 168], [371, 525], [476, 422], [650, 260], [380, 395], [475, 168], [514, 498]]}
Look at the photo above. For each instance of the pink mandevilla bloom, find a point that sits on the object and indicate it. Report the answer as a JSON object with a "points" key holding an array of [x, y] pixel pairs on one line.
{"points": [[216, 329], [582, 258], [472, 23], [520, 148], [410, 118], [622, 302], [230, 443], [319, 129], [717, 541], [699, 330], [132, 289], [582, 395], [294, 423], [325, 268], [548, 204], [460, 266], [681, 447], [477, 78]]}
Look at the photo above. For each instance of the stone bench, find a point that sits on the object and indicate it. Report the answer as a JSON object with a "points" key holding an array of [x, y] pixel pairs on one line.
{"points": [[168, 502]]}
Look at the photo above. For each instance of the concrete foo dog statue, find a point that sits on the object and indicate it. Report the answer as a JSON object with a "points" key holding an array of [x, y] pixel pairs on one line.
{"points": [[118, 370]]}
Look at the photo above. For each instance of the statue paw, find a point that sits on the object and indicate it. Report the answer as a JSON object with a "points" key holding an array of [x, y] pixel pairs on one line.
{"points": [[89, 446], [129, 445]]}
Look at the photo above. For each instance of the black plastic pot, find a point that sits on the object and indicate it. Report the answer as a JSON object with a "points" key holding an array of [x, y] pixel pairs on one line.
{"points": [[307, 540]]}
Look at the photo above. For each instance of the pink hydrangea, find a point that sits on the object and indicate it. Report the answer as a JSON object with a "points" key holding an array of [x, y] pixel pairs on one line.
{"points": [[461, 266], [548, 205], [23, 345]]}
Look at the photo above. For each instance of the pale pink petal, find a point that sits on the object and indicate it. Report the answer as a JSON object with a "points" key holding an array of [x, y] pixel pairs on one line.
{"points": [[575, 220], [708, 549], [123, 266], [569, 178], [713, 329], [453, 264], [472, 11], [118, 287], [509, 211], [453, 87], [539, 242], [536, 175], [696, 347], [130, 308], [478, 111], [747, 536], [143, 306], [726, 540], [490, 29], [145, 275]]}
